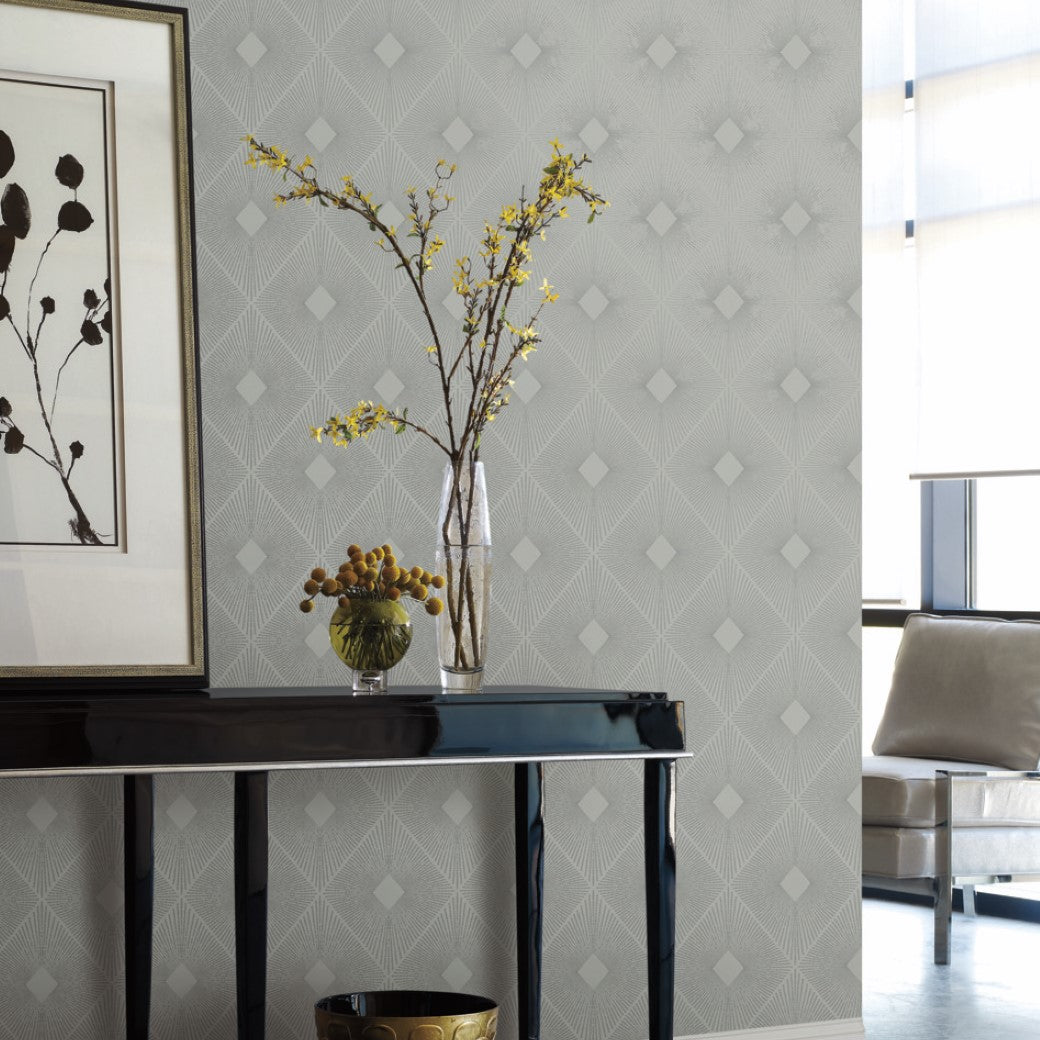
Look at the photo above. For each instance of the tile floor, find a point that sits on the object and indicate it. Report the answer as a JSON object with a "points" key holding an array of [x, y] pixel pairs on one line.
{"points": [[989, 991]]}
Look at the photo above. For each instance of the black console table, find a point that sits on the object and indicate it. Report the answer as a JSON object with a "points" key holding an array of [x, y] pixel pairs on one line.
{"points": [[137, 733]]}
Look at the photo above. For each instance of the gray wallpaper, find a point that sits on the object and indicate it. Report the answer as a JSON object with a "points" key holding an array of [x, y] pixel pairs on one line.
{"points": [[675, 505]]}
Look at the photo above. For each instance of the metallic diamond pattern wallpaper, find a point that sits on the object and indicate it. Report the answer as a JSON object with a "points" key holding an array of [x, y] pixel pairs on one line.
{"points": [[675, 505]]}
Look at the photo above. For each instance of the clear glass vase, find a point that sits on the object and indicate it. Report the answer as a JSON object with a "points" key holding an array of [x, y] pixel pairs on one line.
{"points": [[464, 558], [370, 637]]}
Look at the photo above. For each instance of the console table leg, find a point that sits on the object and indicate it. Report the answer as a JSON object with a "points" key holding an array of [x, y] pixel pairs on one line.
{"points": [[659, 844], [529, 823], [251, 903], [138, 889]]}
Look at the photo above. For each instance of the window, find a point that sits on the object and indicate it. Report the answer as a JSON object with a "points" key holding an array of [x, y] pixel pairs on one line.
{"points": [[951, 359]]}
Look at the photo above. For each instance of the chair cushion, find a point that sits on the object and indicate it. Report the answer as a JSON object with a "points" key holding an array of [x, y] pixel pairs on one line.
{"points": [[900, 792], [967, 690], [909, 852]]}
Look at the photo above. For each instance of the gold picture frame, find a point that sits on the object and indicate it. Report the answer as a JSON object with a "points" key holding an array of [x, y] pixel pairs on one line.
{"points": [[112, 592]]}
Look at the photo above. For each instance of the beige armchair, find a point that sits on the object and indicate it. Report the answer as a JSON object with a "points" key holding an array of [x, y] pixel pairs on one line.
{"points": [[951, 794]]}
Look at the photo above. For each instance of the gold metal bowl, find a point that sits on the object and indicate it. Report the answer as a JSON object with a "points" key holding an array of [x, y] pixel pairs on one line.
{"points": [[406, 1015]]}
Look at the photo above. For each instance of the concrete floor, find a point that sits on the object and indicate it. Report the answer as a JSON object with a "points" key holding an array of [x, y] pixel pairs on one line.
{"points": [[989, 991]]}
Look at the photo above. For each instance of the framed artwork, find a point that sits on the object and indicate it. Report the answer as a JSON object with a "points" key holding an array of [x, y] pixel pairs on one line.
{"points": [[101, 552]]}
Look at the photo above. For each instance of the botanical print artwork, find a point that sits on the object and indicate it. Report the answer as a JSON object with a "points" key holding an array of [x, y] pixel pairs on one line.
{"points": [[58, 416]]}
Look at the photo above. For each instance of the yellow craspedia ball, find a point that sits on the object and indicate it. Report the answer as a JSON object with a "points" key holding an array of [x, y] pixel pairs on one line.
{"points": [[426, 577], [344, 602], [310, 586], [437, 581], [388, 549], [393, 592], [354, 550], [318, 574], [307, 606], [370, 558], [329, 586], [377, 552], [419, 592], [434, 606], [348, 577], [416, 573], [391, 573]]}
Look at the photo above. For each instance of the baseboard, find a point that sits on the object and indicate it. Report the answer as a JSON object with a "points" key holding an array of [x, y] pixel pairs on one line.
{"points": [[836, 1029]]}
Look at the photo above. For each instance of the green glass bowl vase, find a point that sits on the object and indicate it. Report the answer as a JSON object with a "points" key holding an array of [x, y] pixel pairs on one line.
{"points": [[370, 636]]}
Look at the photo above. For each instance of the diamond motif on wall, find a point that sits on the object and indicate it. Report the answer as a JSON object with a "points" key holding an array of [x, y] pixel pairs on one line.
{"points": [[593, 971], [320, 134], [856, 966], [795, 385], [795, 717], [388, 892], [319, 303], [795, 883], [41, 814], [593, 302], [181, 981], [593, 637], [795, 218], [458, 135], [855, 135], [855, 799], [526, 51], [388, 50], [111, 898], [660, 52], [457, 807], [796, 52], [320, 471], [454, 305], [593, 804], [42, 984], [456, 974], [727, 801], [319, 978], [525, 386], [319, 809], [855, 635], [728, 634], [728, 468], [390, 215], [795, 551], [388, 386], [250, 556], [525, 553], [251, 387], [593, 469], [661, 553], [855, 301], [855, 467], [251, 49], [661, 385], [181, 811], [727, 967], [593, 134], [251, 219], [729, 135], [661, 218], [729, 301], [318, 641]]}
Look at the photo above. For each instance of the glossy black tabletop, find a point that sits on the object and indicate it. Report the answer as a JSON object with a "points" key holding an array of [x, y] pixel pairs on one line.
{"points": [[272, 728]]}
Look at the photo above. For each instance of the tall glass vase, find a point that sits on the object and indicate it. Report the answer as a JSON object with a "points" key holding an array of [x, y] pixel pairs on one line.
{"points": [[464, 558]]}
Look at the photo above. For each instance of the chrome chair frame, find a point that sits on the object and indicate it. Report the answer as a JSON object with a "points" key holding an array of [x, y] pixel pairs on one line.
{"points": [[945, 876]]}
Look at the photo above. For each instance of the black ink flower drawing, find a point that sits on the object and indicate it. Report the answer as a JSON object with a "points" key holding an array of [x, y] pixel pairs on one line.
{"points": [[38, 351]]}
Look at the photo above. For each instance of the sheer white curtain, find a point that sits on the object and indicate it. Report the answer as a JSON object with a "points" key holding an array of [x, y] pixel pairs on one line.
{"points": [[891, 543], [977, 234]]}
